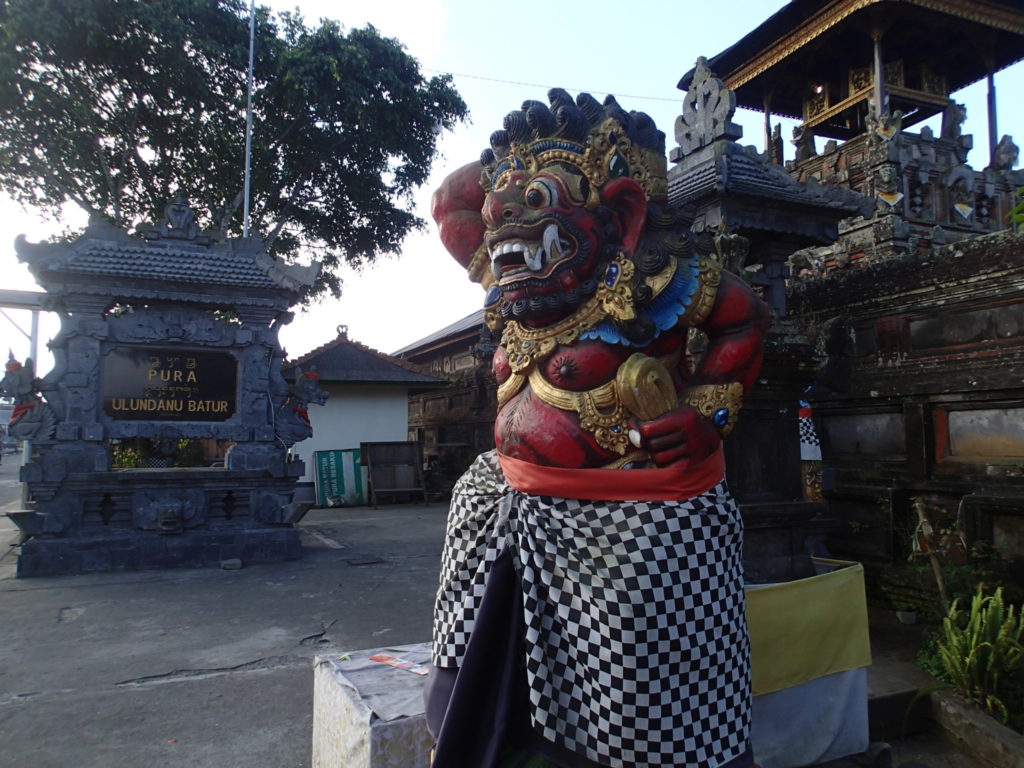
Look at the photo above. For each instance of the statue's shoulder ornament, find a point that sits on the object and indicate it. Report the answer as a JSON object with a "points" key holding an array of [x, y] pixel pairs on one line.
{"points": [[684, 293]]}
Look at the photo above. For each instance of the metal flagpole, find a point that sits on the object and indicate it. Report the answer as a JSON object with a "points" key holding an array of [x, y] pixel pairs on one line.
{"points": [[248, 120]]}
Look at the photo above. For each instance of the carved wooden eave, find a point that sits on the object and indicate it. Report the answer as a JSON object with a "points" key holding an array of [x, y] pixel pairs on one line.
{"points": [[116, 267], [957, 41]]}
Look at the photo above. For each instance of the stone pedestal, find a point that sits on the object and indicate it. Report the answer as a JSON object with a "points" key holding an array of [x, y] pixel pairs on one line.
{"points": [[775, 541], [158, 518], [368, 714], [127, 551]]}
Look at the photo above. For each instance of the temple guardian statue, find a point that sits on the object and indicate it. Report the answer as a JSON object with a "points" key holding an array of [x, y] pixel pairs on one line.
{"points": [[590, 608]]}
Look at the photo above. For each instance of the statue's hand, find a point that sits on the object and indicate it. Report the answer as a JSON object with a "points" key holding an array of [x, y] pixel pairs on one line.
{"points": [[456, 207], [681, 434]]}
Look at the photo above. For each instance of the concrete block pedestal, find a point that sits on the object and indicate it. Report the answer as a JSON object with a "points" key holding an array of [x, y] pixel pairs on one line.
{"points": [[369, 714]]}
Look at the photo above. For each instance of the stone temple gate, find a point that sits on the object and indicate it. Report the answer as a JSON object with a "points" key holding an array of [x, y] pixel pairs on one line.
{"points": [[168, 346]]}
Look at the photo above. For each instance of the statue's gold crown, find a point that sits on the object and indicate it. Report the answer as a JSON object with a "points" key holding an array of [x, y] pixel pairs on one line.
{"points": [[607, 154], [603, 141]]}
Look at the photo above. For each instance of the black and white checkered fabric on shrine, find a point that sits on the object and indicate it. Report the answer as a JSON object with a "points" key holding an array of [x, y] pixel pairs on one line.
{"points": [[636, 641], [810, 448]]}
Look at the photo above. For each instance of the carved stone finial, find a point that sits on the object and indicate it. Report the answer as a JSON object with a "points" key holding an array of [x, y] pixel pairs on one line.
{"points": [[179, 223], [707, 112], [181, 220]]}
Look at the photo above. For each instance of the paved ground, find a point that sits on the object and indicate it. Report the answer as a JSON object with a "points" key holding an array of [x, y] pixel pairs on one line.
{"points": [[204, 667], [213, 668], [10, 493]]}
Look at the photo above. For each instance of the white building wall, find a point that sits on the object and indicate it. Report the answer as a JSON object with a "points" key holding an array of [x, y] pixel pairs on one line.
{"points": [[354, 414]]}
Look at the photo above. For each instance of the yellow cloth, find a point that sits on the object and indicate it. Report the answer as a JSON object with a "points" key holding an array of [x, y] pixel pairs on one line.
{"points": [[806, 629]]}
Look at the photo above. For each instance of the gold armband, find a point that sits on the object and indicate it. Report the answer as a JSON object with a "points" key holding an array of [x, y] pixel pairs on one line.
{"points": [[719, 402]]}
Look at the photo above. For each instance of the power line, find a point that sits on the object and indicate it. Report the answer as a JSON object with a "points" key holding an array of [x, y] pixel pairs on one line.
{"points": [[548, 87]]}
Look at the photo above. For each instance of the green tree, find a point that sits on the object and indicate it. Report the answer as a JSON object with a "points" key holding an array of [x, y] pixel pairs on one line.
{"points": [[119, 105]]}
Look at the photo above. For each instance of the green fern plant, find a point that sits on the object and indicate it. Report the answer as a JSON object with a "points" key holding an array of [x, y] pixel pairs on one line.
{"points": [[126, 457], [980, 652], [1016, 214]]}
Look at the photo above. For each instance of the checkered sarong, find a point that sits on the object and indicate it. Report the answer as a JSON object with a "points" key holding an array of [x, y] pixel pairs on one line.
{"points": [[636, 645], [810, 447]]}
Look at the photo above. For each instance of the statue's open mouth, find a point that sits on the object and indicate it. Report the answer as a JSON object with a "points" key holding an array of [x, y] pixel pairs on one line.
{"points": [[518, 254]]}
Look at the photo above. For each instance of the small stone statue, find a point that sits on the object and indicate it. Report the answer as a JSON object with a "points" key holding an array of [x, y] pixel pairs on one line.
{"points": [[887, 188], [31, 419], [775, 146], [292, 423], [1006, 154], [953, 119], [803, 140]]}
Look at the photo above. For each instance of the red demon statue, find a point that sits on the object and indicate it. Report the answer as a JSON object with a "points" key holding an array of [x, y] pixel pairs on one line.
{"points": [[590, 611]]}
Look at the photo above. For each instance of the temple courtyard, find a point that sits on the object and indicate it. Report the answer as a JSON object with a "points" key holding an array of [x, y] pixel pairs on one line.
{"points": [[213, 667]]}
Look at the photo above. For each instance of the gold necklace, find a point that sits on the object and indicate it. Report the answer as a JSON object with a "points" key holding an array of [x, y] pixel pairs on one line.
{"points": [[524, 347], [642, 387]]}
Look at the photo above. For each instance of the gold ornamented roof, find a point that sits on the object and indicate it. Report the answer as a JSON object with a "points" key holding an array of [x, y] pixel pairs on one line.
{"points": [[813, 55]]}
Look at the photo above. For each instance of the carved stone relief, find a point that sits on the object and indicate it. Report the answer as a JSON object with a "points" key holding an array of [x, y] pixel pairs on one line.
{"points": [[168, 511], [960, 185]]}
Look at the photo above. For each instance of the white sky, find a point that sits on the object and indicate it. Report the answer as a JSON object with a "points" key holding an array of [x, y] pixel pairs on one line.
{"points": [[632, 50]]}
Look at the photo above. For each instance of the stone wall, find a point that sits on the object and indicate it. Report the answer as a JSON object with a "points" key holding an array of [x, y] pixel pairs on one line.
{"points": [[926, 368]]}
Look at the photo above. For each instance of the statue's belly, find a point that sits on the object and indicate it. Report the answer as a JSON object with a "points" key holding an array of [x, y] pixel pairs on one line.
{"points": [[532, 430]]}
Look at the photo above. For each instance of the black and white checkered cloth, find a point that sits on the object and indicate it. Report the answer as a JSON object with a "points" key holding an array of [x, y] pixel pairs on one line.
{"points": [[636, 642], [810, 448]]}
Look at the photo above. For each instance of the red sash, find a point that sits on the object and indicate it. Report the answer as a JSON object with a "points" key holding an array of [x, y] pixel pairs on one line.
{"points": [[673, 483]]}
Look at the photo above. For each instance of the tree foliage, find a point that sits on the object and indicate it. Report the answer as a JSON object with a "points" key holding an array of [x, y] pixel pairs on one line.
{"points": [[1016, 214], [119, 105]]}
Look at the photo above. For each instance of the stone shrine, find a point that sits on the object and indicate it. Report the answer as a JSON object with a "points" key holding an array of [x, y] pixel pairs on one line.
{"points": [[758, 216], [168, 344], [916, 305]]}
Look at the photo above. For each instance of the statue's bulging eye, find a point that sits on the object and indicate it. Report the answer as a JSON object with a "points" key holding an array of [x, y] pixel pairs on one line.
{"points": [[617, 166], [541, 193]]}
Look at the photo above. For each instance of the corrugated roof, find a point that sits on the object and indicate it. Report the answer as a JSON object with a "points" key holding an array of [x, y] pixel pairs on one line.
{"points": [[693, 185], [468, 323], [344, 360], [738, 172], [107, 256], [175, 263]]}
